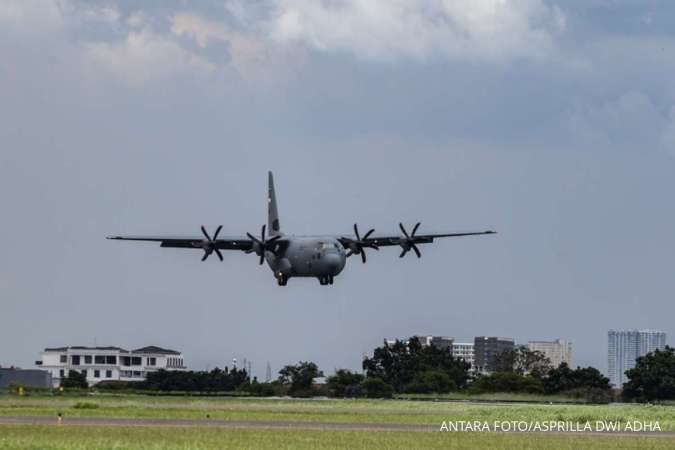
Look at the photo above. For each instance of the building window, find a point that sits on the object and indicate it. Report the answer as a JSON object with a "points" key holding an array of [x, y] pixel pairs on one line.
{"points": [[111, 359], [152, 361], [136, 360], [75, 360], [62, 373], [125, 360], [137, 374], [97, 373], [63, 358], [99, 359], [84, 372], [108, 373], [87, 359]]}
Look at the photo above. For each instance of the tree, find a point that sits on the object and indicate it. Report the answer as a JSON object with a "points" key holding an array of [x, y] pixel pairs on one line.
{"points": [[299, 377], [653, 377], [523, 361], [345, 383], [376, 388], [585, 382], [398, 364], [431, 381], [506, 382], [75, 379]]}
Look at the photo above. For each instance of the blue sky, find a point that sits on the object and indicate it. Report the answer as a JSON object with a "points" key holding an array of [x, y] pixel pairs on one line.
{"points": [[551, 122]]}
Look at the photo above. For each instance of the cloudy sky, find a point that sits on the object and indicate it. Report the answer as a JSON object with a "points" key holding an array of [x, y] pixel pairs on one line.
{"points": [[552, 122]]}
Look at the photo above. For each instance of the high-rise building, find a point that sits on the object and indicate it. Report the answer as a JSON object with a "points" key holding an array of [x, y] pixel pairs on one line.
{"points": [[557, 351], [487, 349], [625, 346], [441, 342], [465, 351]]}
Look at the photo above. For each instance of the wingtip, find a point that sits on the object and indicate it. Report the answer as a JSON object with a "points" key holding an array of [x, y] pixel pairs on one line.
{"points": [[490, 232]]}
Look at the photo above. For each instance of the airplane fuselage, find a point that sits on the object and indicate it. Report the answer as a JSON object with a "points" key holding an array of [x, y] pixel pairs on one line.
{"points": [[318, 257]]}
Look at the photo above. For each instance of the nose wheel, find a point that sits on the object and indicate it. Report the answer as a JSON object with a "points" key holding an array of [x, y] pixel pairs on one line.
{"points": [[282, 281]]}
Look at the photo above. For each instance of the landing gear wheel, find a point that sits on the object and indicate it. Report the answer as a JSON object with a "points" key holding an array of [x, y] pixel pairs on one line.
{"points": [[282, 281], [323, 281], [330, 279]]}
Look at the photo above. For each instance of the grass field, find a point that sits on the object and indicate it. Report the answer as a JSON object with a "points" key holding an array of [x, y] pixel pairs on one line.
{"points": [[314, 412], [76, 438]]}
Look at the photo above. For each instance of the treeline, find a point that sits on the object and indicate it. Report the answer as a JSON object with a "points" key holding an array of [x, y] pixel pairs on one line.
{"points": [[410, 368]]}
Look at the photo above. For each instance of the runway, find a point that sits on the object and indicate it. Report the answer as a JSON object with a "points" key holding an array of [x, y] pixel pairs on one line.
{"points": [[281, 425]]}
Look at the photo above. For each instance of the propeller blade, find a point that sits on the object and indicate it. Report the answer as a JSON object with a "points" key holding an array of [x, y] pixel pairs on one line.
{"points": [[262, 258], [215, 236], [405, 250], [363, 256], [205, 233], [405, 233], [264, 227], [417, 251], [206, 255], [349, 253], [220, 255], [356, 232], [415, 229], [368, 233], [253, 238]]}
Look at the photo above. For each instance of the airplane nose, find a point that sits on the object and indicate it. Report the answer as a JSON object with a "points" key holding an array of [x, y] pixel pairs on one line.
{"points": [[333, 263]]}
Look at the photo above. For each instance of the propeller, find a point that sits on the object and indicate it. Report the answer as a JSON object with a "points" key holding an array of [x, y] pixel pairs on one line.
{"points": [[209, 245], [358, 246], [408, 242], [260, 246]]}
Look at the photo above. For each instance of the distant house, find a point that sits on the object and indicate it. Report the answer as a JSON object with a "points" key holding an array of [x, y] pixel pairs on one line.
{"points": [[25, 378], [108, 363]]}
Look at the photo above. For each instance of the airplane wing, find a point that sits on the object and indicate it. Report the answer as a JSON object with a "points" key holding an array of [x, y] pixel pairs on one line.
{"points": [[383, 241], [407, 241], [208, 244], [222, 243]]}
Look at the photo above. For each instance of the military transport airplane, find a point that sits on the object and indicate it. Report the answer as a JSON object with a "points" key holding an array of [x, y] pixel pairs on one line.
{"points": [[288, 256]]}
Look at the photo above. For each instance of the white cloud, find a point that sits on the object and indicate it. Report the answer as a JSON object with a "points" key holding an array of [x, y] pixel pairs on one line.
{"points": [[493, 30], [249, 52], [144, 56]]}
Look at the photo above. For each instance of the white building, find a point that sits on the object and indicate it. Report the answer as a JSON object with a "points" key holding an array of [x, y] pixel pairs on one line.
{"points": [[465, 351], [625, 346], [108, 363], [557, 351]]}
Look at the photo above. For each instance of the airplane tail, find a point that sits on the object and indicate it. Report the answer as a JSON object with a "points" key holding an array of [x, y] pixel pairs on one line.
{"points": [[273, 227]]}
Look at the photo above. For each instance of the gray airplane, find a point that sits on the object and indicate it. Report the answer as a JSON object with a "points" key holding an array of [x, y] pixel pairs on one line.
{"points": [[321, 257]]}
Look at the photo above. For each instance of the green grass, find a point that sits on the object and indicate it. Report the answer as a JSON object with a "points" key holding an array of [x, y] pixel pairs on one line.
{"points": [[80, 438], [326, 411]]}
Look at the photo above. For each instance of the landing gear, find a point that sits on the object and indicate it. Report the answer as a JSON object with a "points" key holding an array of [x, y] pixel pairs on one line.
{"points": [[323, 281], [282, 281]]}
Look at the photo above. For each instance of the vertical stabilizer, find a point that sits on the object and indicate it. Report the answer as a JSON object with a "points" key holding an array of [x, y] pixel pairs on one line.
{"points": [[273, 226]]}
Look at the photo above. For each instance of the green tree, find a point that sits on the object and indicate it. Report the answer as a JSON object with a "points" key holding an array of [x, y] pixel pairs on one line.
{"points": [[431, 381], [75, 379], [506, 382], [585, 382], [398, 364], [299, 377], [345, 383], [376, 388], [652, 378], [523, 361]]}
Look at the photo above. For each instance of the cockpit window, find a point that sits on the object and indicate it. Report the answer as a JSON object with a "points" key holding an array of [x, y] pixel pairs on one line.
{"points": [[327, 245]]}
